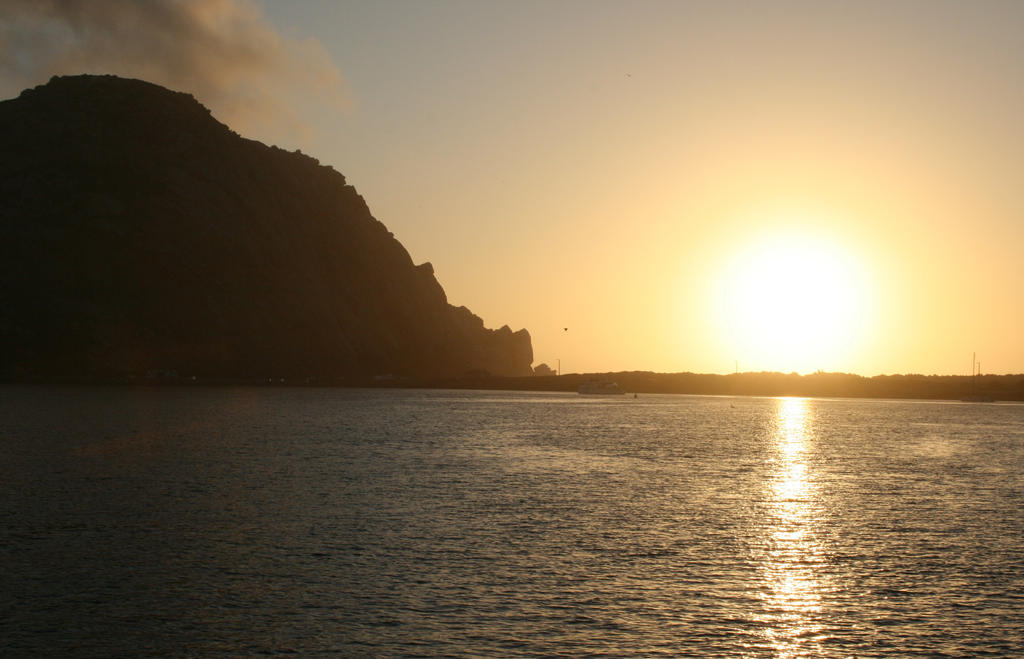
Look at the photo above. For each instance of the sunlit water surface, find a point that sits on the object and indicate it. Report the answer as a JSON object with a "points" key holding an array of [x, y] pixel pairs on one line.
{"points": [[422, 523]]}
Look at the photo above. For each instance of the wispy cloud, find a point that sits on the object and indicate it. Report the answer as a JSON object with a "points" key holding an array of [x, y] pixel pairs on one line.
{"points": [[225, 52]]}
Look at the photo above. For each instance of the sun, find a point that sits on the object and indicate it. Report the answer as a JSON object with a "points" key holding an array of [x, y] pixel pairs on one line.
{"points": [[792, 303]]}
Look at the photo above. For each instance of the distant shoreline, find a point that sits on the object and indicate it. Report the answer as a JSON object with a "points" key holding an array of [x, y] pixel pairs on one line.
{"points": [[817, 385]]}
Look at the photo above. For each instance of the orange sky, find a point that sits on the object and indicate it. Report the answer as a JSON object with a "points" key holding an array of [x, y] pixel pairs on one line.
{"points": [[684, 185]]}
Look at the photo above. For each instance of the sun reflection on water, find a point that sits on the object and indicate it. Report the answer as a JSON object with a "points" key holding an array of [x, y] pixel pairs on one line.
{"points": [[791, 560]]}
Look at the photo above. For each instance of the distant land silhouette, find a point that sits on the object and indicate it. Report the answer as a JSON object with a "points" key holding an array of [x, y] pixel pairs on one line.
{"points": [[141, 238], [820, 385]]}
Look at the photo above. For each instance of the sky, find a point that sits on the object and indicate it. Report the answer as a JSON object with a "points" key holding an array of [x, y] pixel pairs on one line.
{"points": [[666, 186]]}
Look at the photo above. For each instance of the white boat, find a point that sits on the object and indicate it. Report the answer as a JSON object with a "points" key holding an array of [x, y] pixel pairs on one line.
{"points": [[600, 388]]}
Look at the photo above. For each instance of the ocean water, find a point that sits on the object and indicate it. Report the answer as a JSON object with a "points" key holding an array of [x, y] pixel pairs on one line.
{"points": [[252, 521]]}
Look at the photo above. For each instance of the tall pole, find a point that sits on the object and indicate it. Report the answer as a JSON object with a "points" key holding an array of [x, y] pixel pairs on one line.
{"points": [[559, 371]]}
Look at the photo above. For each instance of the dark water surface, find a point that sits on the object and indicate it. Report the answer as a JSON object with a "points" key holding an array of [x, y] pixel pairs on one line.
{"points": [[243, 521]]}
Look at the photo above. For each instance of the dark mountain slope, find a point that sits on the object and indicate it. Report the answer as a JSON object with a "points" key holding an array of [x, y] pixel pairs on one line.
{"points": [[138, 233]]}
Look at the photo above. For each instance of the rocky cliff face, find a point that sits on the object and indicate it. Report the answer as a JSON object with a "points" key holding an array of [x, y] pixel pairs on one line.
{"points": [[138, 233]]}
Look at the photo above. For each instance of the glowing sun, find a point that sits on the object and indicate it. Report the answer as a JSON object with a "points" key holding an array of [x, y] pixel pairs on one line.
{"points": [[792, 304]]}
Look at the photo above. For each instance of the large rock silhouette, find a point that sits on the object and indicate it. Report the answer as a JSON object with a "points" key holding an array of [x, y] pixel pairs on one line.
{"points": [[137, 233]]}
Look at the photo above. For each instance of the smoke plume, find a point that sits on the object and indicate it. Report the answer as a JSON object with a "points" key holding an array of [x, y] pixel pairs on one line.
{"points": [[224, 52]]}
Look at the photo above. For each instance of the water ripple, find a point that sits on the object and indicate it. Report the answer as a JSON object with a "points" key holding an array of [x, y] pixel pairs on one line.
{"points": [[423, 523]]}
